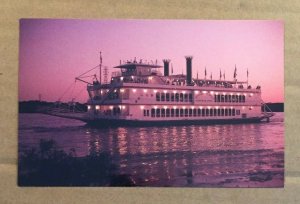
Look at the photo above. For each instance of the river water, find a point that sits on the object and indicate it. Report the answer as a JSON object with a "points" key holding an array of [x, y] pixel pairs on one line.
{"points": [[237, 155]]}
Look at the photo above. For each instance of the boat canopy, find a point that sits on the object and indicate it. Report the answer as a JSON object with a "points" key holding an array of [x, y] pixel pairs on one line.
{"points": [[132, 65]]}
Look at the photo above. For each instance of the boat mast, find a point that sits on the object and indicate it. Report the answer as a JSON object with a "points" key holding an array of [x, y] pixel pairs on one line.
{"points": [[100, 77]]}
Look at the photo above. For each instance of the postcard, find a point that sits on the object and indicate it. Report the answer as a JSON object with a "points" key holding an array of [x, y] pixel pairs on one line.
{"points": [[151, 103]]}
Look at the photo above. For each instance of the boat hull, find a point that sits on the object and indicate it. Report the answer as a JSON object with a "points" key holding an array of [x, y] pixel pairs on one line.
{"points": [[122, 122]]}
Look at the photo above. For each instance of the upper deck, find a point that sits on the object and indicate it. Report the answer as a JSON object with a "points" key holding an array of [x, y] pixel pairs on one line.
{"points": [[135, 78]]}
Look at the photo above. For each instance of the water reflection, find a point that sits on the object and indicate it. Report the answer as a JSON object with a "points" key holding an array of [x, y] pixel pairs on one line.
{"points": [[190, 155], [216, 155]]}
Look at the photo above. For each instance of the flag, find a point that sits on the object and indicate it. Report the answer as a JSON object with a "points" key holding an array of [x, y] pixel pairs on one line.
{"points": [[171, 68], [220, 74], [197, 75], [224, 75], [205, 72], [247, 73], [235, 74], [211, 76]]}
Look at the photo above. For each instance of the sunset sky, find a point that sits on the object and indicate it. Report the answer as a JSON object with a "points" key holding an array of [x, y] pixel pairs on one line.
{"points": [[54, 52]]}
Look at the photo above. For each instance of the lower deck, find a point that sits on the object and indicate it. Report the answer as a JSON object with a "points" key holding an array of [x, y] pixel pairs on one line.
{"points": [[164, 112]]}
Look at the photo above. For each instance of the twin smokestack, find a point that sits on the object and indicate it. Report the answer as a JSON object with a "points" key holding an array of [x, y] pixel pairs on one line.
{"points": [[188, 68]]}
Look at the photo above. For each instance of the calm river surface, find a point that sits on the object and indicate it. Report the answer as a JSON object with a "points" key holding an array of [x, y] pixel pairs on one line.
{"points": [[239, 155]]}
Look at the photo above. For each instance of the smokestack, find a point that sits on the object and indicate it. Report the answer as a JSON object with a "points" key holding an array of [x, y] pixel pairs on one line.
{"points": [[189, 70], [166, 66]]}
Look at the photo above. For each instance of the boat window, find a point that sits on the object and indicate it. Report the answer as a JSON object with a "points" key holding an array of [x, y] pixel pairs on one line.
{"points": [[195, 112], [219, 112], [238, 112], [158, 112], [222, 98], [181, 112], [168, 112], [215, 112], [162, 96], [226, 98], [233, 98], [211, 112], [229, 98], [186, 97], [199, 112], [172, 96], [157, 96], [177, 112], [233, 112], [145, 112], [190, 97], [163, 112], [222, 112], [181, 97], [240, 98], [226, 112], [236, 98], [152, 112], [186, 112], [172, 112], [207, 112], [218, 98], [243, 99], [167, 96], [177, 97], [203, 112], [229, 112], [190, 112]]}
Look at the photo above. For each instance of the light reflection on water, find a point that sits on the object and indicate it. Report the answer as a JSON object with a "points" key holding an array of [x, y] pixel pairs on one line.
{"points": [[212, 155]]}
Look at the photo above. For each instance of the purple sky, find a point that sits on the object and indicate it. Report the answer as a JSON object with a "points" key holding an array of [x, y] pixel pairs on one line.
{"points": [[54, 52]]}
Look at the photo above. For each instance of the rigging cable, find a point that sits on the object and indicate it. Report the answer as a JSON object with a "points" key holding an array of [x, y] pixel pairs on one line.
{"points": [[72, 84], [71, 95], [88, 71]]}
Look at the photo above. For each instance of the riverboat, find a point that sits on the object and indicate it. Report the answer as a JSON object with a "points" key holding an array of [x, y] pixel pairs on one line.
{"points": [[140, 94]]}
